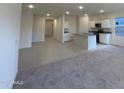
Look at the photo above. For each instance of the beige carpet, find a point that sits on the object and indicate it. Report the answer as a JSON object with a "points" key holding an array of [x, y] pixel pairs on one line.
{"points": [[97, 69]]}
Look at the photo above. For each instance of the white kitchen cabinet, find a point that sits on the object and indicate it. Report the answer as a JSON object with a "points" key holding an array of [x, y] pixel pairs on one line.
{"points": [[66, 24], [106, 23], [98, 21], [92, 24], [67, 36], [105, 38]]}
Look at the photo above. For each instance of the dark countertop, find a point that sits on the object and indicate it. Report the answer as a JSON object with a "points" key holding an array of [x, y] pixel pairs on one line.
{"points": [[84, 34], [96, 32], [107, 32]]}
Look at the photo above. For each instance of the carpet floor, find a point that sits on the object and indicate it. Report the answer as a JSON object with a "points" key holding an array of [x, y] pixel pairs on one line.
{"points": [[96, 69]]}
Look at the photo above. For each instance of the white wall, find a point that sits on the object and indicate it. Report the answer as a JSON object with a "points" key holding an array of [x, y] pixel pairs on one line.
{"points": [[26, 29], [59, 29], [116, 40], [38, 29], [77, 24], [83, 24], [10, 19]]}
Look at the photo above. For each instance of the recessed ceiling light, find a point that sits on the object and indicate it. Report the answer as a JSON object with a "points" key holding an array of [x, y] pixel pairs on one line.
{"points": [[47, 14], [101, 11], [67, 12], [85, 14], [80, 7], [30, 6]]}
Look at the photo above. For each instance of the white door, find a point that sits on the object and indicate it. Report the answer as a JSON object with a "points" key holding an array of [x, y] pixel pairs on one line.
{"points": [[49, 28]]}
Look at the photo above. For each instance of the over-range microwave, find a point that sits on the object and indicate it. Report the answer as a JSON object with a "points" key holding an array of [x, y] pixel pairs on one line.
{"points": [[98, 25]]}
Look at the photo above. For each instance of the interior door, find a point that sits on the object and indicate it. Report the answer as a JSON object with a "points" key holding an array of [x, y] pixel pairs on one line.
{"points": [[49, 28]]}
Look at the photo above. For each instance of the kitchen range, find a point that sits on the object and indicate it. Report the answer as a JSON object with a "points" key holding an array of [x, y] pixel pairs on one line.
{"points": [[103, 35]]}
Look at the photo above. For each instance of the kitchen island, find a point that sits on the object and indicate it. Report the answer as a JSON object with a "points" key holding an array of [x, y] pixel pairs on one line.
{"points": [[86, 40]]}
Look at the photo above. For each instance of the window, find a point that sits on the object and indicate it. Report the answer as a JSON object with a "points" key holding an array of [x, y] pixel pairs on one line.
{"points": [[119, 26]]}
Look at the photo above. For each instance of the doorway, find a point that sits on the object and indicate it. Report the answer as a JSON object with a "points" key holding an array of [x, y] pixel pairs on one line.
{"points": [[49, 28]]}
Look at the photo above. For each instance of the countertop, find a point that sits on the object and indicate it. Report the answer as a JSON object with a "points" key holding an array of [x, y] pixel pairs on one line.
{"points": [[104, 32], [85, 34]]}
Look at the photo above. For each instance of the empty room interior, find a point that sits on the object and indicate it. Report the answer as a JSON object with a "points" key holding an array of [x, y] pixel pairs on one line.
{"points": [[62, 46]]}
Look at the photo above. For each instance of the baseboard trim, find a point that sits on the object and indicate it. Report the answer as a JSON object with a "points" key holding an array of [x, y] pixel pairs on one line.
{"points": [[14, 78]]}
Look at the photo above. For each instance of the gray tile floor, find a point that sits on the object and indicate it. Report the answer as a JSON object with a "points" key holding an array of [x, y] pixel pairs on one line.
{"points": [[46, 52]]}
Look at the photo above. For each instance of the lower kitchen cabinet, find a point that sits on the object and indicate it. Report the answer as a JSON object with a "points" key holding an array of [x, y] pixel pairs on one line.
{"points": [[67, 36], [105, 38]]}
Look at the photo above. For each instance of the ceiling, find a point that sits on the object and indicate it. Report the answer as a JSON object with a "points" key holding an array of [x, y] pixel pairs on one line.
{"points": [[57, 9]]}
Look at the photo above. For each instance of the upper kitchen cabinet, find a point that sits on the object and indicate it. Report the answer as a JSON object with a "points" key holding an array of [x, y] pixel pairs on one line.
{"points": [[98, 22], [92, 24], [106, 23], [66, 24], [71, 23]]}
